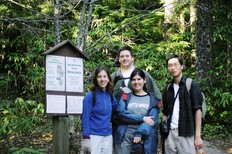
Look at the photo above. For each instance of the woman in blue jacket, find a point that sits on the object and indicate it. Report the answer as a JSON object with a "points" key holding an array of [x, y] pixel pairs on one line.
{"points": [[138, 113], [98, 105]]}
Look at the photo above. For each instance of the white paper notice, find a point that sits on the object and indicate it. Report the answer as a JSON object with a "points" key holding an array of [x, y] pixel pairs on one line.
{"points": [[55, 73], [74, 104], [74, 74], [55, 104]]}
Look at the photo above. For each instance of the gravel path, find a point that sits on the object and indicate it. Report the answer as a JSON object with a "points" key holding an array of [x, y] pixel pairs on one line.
{"points": [[209, 148]]}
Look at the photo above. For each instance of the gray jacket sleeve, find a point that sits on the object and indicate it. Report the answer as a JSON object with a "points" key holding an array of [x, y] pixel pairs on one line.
{"points": [[152, 86]]}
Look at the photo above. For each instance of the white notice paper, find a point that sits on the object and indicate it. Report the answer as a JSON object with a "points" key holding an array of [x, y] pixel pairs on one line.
{"points": [[74, 74], [74, 104], [55, 73], [55, 104]]}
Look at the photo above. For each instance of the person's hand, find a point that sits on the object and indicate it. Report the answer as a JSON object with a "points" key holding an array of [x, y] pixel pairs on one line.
{"points": [[149, 120], [198, 143], [137, 139], [126, 90], [85, 146]]}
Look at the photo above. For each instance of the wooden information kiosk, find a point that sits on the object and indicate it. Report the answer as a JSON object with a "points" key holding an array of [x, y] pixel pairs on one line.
{"points": [[64, 90]]}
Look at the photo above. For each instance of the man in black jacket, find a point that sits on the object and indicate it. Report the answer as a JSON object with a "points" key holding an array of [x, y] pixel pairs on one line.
{"points": [[183, 110]]}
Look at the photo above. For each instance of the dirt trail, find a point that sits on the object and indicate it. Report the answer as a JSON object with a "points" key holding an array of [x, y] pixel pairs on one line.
{"points": [[209, 148], [45, 142]]}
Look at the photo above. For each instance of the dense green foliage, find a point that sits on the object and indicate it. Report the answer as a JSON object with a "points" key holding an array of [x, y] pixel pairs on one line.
{"points": [[20, 117], [26, 150], [220, 92], [27, 30]]}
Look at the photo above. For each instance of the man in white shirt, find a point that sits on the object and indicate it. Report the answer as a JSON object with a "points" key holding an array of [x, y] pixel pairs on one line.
{"points": [[121, 80]]}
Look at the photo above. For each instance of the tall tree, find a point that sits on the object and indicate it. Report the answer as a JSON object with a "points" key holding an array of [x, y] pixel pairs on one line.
{"points": [[204, 38], [84, 24], [169, 10], [192, 16], [81, 30], [57, 21], [88, 22]]}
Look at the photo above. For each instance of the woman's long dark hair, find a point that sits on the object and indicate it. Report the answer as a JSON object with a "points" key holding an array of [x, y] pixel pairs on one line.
{"points": [[109, 86]]}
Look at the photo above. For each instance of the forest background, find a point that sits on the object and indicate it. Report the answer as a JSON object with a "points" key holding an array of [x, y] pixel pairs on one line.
{"points": [[199, 30]]}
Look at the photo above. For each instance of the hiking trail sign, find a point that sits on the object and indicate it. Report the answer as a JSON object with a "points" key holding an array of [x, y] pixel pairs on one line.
{"points": [[64, 79]]}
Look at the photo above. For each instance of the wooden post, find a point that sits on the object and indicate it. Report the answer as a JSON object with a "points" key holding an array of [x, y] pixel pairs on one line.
{"points": [[60, 128]]}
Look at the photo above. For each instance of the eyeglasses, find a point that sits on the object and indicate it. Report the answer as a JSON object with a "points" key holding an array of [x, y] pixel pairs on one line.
{"points": [[175, 65]]}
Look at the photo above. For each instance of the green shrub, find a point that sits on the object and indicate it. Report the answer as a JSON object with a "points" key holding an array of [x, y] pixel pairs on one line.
{"points": [[26, 151], [217, 131], [20, 116]]}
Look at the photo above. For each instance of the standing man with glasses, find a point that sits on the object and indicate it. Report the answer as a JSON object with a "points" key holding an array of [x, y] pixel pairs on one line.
{"points": [[183, 111]]}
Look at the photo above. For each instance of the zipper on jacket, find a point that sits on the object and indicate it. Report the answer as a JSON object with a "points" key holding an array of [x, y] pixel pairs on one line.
{"points": [[105, 100]]}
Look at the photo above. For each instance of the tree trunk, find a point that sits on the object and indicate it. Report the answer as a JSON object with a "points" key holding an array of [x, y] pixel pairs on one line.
{"points": [[229, 45], [192, 21], [192, 16], [57, 22], [204, 38], [169, 10], [89, 19], [81, 26], [182, 22]]}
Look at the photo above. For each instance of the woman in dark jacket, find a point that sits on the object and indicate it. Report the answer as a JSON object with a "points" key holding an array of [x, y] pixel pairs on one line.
{"points": [[138, 113]]}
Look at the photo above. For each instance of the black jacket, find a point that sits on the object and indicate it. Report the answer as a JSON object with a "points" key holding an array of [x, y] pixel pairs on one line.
{"points": [[189, 103]]}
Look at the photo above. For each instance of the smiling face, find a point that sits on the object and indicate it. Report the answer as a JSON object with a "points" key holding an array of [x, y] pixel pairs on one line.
{"points": [[137, 83], [102, 79], [125, 58], [174, 67]]}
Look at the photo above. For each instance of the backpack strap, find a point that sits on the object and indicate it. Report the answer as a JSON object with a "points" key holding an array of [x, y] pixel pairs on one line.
{"points": [[188, 83], [112, 97], [116, 76], [93, 97]]}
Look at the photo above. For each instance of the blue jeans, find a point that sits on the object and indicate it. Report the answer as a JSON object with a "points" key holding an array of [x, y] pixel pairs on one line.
{"points": [[125, 146]]}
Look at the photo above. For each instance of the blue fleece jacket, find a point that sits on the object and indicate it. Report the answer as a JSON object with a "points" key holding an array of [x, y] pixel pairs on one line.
{"points": [[148, 133], [96, 117]]}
